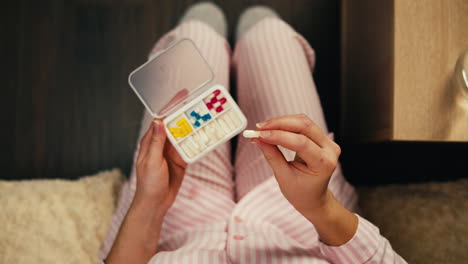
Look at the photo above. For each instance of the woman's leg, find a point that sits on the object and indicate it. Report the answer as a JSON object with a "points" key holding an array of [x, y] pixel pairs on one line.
{"points": [[210, 178], [274, 77]]}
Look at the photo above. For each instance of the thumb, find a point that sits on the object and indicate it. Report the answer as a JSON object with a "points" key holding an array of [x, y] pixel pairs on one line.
{"points": [[158, 139]]}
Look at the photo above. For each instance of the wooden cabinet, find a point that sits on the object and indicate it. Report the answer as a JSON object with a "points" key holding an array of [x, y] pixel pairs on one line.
{"points": [[398, 59]]}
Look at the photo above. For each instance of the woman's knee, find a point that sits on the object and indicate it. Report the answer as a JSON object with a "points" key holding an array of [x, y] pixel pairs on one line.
{"points": [[268, 31]]}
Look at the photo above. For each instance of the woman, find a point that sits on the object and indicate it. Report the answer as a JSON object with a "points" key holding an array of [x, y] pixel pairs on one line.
{"points": [[274, 204]]}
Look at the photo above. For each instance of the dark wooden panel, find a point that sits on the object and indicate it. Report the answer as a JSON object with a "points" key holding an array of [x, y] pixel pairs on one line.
{"points": [[73, 111], [367, 69], [76, 114], [38, 52], [69, 111], [9, 49]]}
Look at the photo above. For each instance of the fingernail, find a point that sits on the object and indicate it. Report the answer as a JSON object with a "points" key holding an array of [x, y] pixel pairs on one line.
{"points": [[157, 126], [261, 124], [256, 142], [265, 134]]}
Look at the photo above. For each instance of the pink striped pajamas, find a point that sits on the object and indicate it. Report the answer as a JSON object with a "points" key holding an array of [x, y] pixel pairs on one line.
{"points": [[228, 213]]}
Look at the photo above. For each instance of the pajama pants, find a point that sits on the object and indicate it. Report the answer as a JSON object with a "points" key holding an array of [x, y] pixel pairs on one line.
{"points": [[273, 68]]}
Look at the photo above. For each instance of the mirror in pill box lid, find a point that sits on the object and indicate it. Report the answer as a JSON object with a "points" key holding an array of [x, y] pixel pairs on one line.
{"points": [[171, 78]]}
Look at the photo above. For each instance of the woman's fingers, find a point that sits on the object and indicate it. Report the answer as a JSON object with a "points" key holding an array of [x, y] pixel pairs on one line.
{"points": [[300, 124], [307, 150], [152, 143], [176, 165], [275, 159], [144, 143], [158, 139]]}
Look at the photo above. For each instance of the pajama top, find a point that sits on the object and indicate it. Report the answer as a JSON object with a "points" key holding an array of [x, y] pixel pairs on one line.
{"points": [[273, 67]]}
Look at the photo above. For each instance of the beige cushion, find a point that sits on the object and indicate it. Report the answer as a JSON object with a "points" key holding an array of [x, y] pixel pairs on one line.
{"points": [[426, 223], [56, 221]]}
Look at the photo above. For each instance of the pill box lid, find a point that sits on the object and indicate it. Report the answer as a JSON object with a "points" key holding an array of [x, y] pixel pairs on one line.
{"points": [[171, 78]]}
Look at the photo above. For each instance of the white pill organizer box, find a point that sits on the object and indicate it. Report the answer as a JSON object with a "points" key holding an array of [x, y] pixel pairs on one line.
{"points": [[177, 84]]}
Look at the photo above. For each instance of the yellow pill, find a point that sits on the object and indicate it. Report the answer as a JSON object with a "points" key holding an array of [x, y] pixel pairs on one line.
{"points": [[183, 130]]}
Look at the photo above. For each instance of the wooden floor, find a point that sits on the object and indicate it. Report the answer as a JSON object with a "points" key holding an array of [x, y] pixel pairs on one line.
{"points": [[70, 112]]}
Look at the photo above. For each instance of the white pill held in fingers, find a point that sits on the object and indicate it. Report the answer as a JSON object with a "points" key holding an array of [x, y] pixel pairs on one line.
{"points": [[251, 134]]}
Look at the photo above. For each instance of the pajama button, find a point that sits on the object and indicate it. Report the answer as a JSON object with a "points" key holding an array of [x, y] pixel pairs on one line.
{"points": [[238, 219], [192, 193], [238, 237]]}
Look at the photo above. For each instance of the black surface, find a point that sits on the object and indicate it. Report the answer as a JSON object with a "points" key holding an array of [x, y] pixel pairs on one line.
{"points": [[404, 162], [69, 111]]}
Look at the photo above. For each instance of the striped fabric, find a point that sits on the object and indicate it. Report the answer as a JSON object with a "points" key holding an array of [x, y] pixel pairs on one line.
{"points": [[237, 214]]}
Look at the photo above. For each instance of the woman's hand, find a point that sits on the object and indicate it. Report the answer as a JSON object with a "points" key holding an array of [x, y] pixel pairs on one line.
{"points": [[304, 181], [159, 169]]}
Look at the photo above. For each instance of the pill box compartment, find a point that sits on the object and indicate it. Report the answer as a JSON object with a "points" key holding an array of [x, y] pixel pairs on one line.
{"points": [[196, 129], [216, 102], [199, 115], [180, 127]]}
